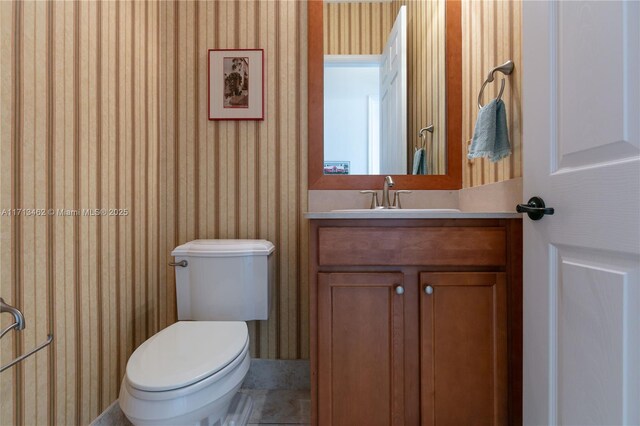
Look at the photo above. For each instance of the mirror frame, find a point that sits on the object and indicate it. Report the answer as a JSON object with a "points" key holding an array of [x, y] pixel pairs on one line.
{"points": [[315, 72]]}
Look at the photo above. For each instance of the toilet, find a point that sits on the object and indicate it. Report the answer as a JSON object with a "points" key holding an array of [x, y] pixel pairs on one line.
{"points": [[190, 372]]}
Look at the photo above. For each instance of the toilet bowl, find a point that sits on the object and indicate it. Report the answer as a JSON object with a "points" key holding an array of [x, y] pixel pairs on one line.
{"points": [[190, 372], [187, 374]]}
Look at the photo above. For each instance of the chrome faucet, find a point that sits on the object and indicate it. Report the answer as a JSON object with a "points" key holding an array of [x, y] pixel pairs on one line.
{"points": [[386, 202], [388, 183]]}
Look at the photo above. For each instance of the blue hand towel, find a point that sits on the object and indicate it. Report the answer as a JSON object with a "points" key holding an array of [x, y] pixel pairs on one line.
{"points": [[491, 136], [420, 162]]}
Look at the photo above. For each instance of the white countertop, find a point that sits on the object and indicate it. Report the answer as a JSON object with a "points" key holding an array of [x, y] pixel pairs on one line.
{"points": [[410, 214]]}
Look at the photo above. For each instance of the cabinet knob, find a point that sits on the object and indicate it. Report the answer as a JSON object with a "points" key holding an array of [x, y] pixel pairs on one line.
{"points": [[428, 289], [399, 289]]}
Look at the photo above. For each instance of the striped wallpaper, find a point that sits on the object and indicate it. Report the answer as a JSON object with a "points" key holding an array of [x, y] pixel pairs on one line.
{"points": [[103, 105], [361, 28], [491, 36], [242, 179], [426, 36]]}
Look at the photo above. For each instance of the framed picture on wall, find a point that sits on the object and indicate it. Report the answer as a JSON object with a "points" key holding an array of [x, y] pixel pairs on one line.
{"points": [[236, 84]]}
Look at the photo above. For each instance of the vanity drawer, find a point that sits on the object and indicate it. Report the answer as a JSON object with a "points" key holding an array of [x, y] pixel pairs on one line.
{"points": [[438, 246]]}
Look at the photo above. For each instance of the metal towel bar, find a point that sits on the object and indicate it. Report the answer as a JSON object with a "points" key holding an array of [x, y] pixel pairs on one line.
{"points": [[17, 316], [28, 354], [18, 325]]}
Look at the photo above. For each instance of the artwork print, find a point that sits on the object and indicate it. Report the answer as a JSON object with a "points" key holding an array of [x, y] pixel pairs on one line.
{"points": [[236, 84]]}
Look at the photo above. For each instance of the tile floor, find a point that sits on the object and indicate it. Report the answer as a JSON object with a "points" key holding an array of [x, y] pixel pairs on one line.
{"points": [[270, 407], [279, 407]]}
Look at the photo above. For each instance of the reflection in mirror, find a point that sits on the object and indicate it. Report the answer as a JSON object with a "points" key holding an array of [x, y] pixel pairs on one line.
{"points": [[352, 114], [384, 81]]}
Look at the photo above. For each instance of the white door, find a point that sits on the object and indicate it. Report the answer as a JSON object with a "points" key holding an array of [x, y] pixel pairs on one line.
{"points": [[393, 99], [581, 102]]}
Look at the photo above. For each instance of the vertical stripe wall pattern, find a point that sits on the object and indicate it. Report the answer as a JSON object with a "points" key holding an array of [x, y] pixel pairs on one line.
{"points": [[79, 104], [490, 36], [426, 76], [103, 105], [239, 179], [357, 28], [362, 28]]}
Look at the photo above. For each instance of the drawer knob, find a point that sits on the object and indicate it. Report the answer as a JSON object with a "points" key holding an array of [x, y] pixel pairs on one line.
{"points": [[428, 289], [399, 289]]}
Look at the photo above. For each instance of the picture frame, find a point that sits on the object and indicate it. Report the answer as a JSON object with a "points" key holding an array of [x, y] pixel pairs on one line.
{"points": [[337, 167], [236, 84]]}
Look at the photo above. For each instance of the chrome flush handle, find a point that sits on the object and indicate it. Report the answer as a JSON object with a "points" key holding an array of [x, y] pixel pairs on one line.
{"points": [[182, 263]]}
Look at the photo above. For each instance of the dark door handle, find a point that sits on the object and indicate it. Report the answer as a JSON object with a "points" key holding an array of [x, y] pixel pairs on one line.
{"points": [[535, 208]]}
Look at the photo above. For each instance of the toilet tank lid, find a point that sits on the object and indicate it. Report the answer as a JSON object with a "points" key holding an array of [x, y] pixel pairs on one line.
{"points": [[224, 248]]}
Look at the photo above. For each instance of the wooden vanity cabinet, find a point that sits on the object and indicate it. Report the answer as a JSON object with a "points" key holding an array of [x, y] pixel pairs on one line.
{"points": [[416, 321]]}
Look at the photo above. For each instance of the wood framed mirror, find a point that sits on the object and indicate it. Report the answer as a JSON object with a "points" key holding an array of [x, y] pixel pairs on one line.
{"points": [[453, 69]]}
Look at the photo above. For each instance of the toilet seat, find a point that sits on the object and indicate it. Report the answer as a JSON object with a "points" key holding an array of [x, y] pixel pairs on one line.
{"points": [[186, 353], [209, 397]]}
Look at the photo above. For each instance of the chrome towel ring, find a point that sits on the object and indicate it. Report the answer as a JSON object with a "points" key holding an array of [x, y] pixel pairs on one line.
{"points": [[506, 68]]}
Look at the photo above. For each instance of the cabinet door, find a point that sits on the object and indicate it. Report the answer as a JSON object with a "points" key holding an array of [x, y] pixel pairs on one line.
{"points": [[360, 349], [463, 348]]}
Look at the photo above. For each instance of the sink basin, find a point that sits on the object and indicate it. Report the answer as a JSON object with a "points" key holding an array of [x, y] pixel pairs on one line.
{"points": [[387, 211]]}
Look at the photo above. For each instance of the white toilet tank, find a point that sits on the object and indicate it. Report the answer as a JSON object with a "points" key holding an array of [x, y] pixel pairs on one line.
{"points": [[224, 280]]}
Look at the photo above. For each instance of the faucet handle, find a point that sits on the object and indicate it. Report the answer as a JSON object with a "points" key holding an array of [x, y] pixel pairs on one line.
{"points": [[374, 198], [396, 197]]}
